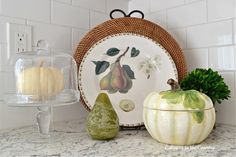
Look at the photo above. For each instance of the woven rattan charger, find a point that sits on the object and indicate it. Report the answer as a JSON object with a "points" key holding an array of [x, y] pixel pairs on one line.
{"points": [[128, 24]]}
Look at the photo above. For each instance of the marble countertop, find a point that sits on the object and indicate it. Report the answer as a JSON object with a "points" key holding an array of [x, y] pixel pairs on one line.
{"points": [[71, 139]]}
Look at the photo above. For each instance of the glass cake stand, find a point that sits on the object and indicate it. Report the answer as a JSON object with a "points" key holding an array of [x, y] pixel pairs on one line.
{"points": [[43, 80]]}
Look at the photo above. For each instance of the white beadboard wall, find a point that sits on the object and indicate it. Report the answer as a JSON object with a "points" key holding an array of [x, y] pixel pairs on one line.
{"points": [[62, 23], [206, 31]]}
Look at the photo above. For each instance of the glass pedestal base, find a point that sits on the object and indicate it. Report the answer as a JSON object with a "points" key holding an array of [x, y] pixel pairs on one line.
{"points": [[43, 131], [37, 138], [44, 120], [44, 116]]}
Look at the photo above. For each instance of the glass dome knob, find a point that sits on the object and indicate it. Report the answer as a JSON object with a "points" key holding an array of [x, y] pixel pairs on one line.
{"points": [[42, 45]]}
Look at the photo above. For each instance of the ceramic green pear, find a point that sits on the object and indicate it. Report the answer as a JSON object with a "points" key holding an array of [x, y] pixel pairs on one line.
{"points": [[102, 121]]}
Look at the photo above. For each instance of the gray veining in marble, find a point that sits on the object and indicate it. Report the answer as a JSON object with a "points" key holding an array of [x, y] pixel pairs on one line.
{"points": [[71, 139]]}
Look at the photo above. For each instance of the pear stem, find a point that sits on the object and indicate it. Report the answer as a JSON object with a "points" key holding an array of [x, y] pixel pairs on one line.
{"points": [[122, 55], [174, 84]]}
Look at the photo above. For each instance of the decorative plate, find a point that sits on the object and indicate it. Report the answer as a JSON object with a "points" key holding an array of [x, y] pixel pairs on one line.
{"points": [[127, 58]]}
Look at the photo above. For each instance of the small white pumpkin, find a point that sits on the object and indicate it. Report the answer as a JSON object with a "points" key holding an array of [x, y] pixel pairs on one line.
{"points": [[178, 117], [40, 82]]}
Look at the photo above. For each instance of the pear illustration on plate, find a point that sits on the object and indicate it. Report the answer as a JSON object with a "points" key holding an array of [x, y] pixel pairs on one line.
{"points": [[117, 79], [102, 121], [105, 82]]}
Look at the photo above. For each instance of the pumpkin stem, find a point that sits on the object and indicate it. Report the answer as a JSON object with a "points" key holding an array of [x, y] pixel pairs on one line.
{"points": [[41, 62], [174, 84]]}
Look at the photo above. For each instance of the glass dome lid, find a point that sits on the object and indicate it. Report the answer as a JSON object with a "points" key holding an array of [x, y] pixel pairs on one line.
{"points": [[40, 78]]}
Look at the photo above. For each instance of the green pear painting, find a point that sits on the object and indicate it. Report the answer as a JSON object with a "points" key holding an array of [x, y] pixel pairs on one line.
{"points": [[120, 77]]}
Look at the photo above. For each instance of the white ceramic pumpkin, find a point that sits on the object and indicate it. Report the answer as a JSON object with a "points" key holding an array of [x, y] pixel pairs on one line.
{"points": [[179, 117], [40, 82]]}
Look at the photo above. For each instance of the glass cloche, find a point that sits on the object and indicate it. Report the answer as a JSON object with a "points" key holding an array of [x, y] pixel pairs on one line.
{"points": [[42, 79]]}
